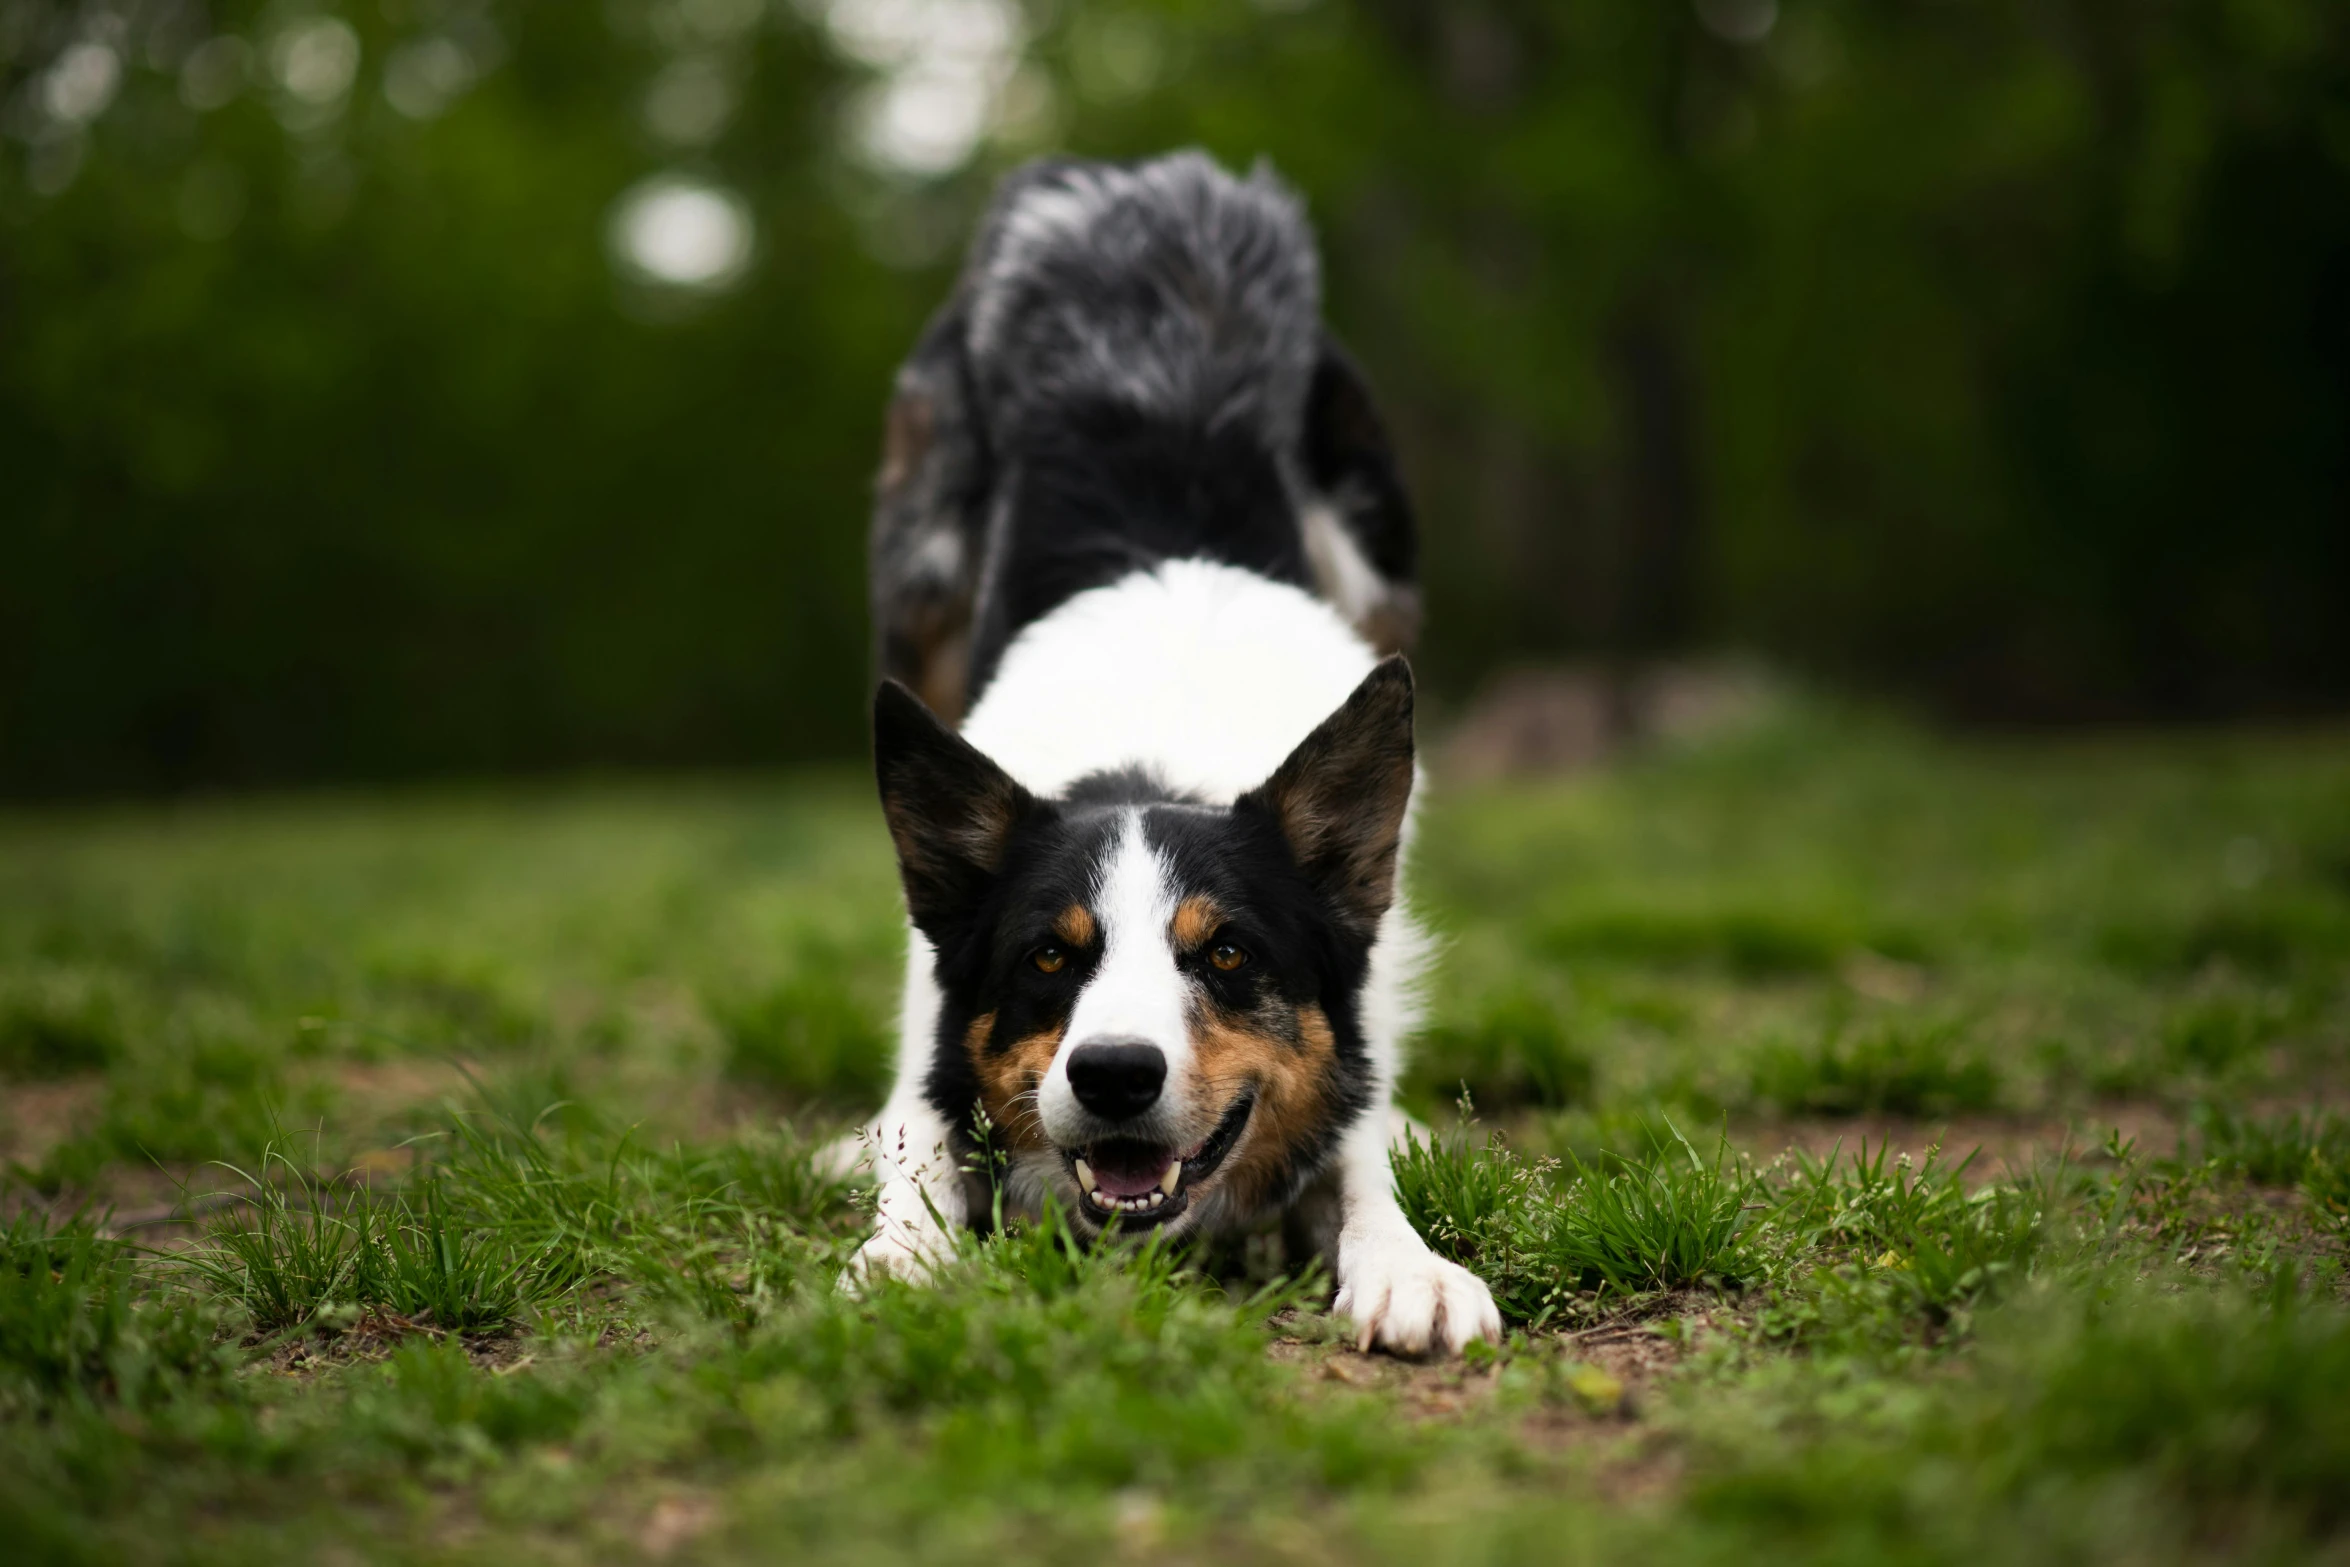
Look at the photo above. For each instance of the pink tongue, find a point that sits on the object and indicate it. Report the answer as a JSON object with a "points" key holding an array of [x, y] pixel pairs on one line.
{"points": [[1129, 1180]]}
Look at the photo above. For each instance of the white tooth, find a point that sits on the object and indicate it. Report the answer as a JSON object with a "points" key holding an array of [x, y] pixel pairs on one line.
{"points": [[1157, 1198], [1085, 1175], [1100, 1201], [1173, 1178]]}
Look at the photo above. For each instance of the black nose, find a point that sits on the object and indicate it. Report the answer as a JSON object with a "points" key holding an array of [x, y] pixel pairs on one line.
{"points": [[1117, 1078]]}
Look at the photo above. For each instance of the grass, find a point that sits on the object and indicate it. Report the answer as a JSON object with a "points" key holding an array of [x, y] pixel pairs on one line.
{"points": [[296, 1249], [1891, 1069], [71, 1325], [435, 1177], [1552, 1234]]}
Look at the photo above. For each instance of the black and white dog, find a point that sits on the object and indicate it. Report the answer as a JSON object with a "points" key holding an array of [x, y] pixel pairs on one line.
{"points": [[1139, 528]]}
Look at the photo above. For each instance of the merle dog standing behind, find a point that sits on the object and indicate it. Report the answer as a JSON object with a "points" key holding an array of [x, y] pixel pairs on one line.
{"points": [[1139, 528]]}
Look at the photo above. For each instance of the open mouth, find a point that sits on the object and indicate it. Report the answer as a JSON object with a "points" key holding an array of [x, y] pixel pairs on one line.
{"points": [[1149, 1183]]}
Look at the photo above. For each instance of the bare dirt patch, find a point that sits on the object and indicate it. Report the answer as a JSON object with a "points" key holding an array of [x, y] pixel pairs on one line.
{"points": [[36, 1117], [372, 1088], [375, 1334], [2003, 1146]]}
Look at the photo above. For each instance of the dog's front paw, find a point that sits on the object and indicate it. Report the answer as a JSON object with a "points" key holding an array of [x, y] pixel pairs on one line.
{"points": [[1404, 1298], [899, 1248], [894, 1254]]}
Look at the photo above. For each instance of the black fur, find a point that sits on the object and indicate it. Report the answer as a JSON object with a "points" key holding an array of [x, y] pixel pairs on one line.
{"points": [[1131, 369], [952, 812], [1275, 910], [1109, 491], [989, 868], [1340, 798]]}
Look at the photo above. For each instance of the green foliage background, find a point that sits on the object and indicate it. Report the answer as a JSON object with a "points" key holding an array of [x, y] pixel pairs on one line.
{"points": [[1996, 353]]}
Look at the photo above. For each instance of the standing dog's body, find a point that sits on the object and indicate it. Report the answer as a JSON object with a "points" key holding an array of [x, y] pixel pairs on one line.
{"points": [[1138, 517]]}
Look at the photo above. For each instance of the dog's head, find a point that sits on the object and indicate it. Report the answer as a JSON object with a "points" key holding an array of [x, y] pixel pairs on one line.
{"points": [[1153, 999]]}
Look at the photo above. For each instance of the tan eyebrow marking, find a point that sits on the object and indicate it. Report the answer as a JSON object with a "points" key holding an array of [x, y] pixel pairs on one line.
{"points": [[1075, 926], [1196, 919]]}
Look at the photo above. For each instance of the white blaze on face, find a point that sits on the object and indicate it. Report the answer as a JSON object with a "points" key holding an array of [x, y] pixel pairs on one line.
{"points": [[1137, 993]]}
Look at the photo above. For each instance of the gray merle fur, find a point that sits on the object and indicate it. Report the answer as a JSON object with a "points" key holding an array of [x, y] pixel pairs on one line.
{"points": [[1132, 368]]}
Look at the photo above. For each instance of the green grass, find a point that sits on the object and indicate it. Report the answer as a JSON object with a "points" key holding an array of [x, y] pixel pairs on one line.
{"points": [[1552, 1235], [79, 1325], [433, 1177]]}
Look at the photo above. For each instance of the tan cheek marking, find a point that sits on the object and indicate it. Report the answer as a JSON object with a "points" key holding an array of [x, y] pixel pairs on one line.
{"points": [[1293, 1081], [1075, 926], [1008, 1079], [1196, 919]]}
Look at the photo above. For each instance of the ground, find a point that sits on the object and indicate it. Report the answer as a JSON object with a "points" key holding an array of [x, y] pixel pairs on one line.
{"points": [[428, 1176]]}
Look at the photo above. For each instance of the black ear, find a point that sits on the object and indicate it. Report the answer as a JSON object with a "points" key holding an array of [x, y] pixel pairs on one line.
{"points": [[1340, 799], [950, 809]]}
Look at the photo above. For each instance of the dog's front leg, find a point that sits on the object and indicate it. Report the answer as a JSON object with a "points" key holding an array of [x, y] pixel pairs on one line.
{"points": [[919, 1198], [1400, 1295]]}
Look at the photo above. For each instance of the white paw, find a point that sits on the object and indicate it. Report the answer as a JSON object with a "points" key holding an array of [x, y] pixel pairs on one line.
{"points": [[911, 1238], [898, 1251], [1404, 1298]]}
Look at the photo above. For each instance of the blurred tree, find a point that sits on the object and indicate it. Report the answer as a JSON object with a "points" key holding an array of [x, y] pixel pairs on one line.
{"points": [[1997, 352], [345, 434], [459, 385]]}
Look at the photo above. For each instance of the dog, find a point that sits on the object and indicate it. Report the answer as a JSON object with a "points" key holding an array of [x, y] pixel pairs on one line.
{"points": [[1139, 529]]}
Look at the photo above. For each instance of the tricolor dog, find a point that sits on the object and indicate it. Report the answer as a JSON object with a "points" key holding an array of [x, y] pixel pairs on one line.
{"points": [[1139, 530]]}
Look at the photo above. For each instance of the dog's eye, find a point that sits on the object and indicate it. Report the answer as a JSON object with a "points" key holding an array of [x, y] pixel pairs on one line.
{"points": [[1226, 956], [1049, 960]]}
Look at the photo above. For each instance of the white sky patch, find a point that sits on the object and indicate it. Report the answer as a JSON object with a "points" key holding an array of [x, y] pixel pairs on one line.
{"points": [[682, 233]]}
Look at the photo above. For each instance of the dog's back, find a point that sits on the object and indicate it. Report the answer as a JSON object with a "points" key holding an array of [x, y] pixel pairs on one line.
{"points": [[1132, 370]]}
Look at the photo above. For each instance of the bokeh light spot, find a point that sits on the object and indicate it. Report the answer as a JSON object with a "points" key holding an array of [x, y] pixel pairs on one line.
{"points": [[682, 233], [82, 83], [315, 59], [214, 72], [690, 102], [421, 79], [942, 66]]}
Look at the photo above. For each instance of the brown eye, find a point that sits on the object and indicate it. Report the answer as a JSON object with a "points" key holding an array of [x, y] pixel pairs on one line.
{"points": [[1049, 960], [1226, 956]]}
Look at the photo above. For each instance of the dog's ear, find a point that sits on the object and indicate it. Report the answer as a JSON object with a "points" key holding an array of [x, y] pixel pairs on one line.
{"points": [[1341, 798], [951, 811], [1352, 465]]}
